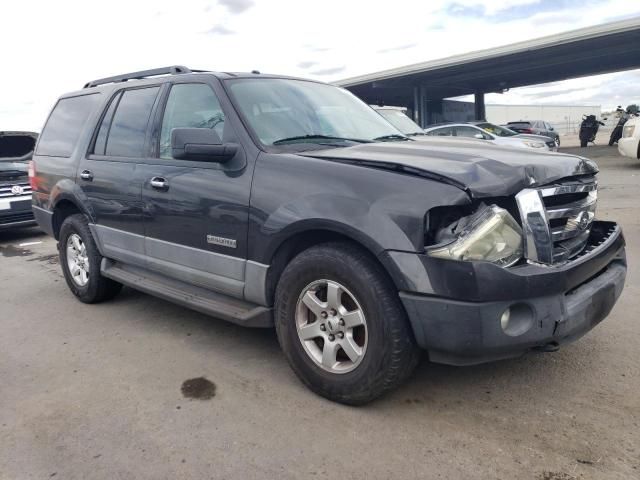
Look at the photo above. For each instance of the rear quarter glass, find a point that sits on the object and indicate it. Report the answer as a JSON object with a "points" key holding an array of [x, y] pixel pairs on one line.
{"points": [[65, 124]]}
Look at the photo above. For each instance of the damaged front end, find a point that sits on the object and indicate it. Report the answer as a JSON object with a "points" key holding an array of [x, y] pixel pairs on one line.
{"points": [[547, 225]]}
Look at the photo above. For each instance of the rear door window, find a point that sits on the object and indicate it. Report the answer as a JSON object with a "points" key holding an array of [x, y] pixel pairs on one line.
{"points": [[441, 132], [65, 124], [101, 140], [127, 131]]}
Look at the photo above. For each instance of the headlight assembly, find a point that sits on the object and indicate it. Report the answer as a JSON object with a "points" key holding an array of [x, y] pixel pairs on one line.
{"points": [[628, 131], [491, 234], [531, 144]]}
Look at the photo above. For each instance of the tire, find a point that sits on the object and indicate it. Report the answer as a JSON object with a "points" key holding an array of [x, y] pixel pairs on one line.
{"points": [[558, 141], [97, 288], [389, 353]]}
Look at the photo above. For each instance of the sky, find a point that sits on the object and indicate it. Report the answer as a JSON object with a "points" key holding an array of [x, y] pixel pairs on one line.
{"points": [[52, 47]]}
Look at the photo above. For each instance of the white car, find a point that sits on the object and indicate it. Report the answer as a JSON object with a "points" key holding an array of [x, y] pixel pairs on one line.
{"points": [[495, 134], [467, 130], [629, 144]]}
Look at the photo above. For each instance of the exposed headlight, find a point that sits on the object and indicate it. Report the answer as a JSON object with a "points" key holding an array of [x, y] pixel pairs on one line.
{"points": [[491, 234], [628, 131], [531, 144]]}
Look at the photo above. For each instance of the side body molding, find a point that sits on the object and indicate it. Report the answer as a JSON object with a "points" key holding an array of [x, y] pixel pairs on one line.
{"points": [[232, 276]]}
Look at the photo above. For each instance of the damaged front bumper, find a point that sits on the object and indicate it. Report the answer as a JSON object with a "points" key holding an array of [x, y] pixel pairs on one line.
{"points": [[472, 312]]}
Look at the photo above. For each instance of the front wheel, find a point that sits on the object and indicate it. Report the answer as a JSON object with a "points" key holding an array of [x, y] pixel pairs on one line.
{"points": [[341, 324], [80, 261]]}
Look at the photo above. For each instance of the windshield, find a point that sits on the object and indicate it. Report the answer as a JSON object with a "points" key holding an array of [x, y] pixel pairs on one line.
{"points": [[401, 121], [496, 130], [281, 111]]}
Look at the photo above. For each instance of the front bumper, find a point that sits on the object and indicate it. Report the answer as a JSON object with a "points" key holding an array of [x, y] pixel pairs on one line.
{"points": [[15, 212], [550, 305], [628, 147]]}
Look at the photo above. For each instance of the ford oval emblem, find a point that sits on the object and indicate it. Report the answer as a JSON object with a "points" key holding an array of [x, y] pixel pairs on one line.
{"points": [[583, 221]]}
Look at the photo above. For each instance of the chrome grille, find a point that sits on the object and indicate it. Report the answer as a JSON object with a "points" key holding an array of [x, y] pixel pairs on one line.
{"points": [[6, 189], [556, 219]]}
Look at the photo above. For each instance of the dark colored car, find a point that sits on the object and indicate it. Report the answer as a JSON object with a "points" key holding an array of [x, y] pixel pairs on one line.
{"points": [[266, 200], [504, 132], [16, 149], [535, 127]]}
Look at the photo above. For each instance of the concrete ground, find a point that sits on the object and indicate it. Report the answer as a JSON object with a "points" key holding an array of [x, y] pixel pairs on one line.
{"points": [[94, 391]]}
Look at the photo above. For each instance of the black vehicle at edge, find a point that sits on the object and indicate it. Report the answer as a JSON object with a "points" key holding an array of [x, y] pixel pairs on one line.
{"points": [[266, 200], [16, 149]]}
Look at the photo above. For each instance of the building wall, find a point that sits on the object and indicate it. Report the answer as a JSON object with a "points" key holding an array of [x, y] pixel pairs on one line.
{"points": [[564, 118]]}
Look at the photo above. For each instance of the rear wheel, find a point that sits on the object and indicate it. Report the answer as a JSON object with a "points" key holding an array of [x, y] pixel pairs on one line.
{"points": [[80, 261], [341, 324]]}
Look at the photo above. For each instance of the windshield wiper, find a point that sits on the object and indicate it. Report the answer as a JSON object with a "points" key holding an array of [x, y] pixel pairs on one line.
{"points": [[318, 137], [393, 136], [415, 134]]}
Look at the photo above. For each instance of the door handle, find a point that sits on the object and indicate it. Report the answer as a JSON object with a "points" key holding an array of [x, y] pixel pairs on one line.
{"points": [[86, 175], [159, 183]]}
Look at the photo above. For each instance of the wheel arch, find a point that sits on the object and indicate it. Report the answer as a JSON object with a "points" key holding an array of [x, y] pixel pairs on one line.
{"points": [[302, 239], [63, 208]]}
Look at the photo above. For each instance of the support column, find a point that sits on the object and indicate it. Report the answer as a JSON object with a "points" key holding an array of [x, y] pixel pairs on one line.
{"points": [[481, 112], [424, 109], [416, 104]]}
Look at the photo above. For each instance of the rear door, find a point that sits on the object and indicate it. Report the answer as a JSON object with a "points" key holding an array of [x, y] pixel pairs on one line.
{"points": [[109, 177], [196, 213], [548, 130]]}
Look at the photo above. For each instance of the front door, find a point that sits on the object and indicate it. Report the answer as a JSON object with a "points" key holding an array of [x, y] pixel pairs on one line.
{"points": [[196, 213], [109, 178]]}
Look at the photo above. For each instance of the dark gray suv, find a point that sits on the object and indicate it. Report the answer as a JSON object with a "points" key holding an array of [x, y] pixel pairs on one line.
{"points": [[274, 201]]}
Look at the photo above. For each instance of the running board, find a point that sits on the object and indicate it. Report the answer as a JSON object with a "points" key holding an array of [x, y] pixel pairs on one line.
{"points": [[197, 298]]}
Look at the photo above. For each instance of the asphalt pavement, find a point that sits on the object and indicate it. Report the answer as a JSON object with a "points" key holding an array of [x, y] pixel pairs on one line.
{"points": [[138, 388]]}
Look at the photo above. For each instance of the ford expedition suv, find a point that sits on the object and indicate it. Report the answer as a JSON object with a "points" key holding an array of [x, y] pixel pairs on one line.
{"points": [[16, 149], [275, 201]]}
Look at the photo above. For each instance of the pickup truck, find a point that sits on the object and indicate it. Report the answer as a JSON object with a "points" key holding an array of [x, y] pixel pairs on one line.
{"points": [[276, 201]]}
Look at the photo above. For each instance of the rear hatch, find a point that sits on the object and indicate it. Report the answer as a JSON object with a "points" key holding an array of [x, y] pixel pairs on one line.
{"points": [[17, 146], [16, 149]]}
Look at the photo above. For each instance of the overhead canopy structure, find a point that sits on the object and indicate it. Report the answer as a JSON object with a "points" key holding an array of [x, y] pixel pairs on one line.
{"points": [[606, 48]]}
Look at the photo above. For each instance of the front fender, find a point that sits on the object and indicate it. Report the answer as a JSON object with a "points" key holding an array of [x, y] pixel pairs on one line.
{"points": [[379, 209]]}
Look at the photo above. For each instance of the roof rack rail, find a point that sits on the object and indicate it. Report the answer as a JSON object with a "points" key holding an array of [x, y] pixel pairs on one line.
{"points": [[172, 70]]}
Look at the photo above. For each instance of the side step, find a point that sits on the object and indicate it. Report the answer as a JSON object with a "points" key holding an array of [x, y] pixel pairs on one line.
{"points": [[197, 298]]}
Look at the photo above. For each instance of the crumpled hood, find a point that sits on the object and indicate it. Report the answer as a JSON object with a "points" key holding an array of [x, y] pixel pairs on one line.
{"points": [[482, 169]]}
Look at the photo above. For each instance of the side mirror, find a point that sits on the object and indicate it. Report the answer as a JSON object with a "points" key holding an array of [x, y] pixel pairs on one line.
{"points": [[479, 136], [200, 144], [551, 129]]}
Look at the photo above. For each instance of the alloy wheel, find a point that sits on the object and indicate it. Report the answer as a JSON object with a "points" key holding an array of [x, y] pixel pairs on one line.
{"points": [[77, 260], [331, 326]]}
